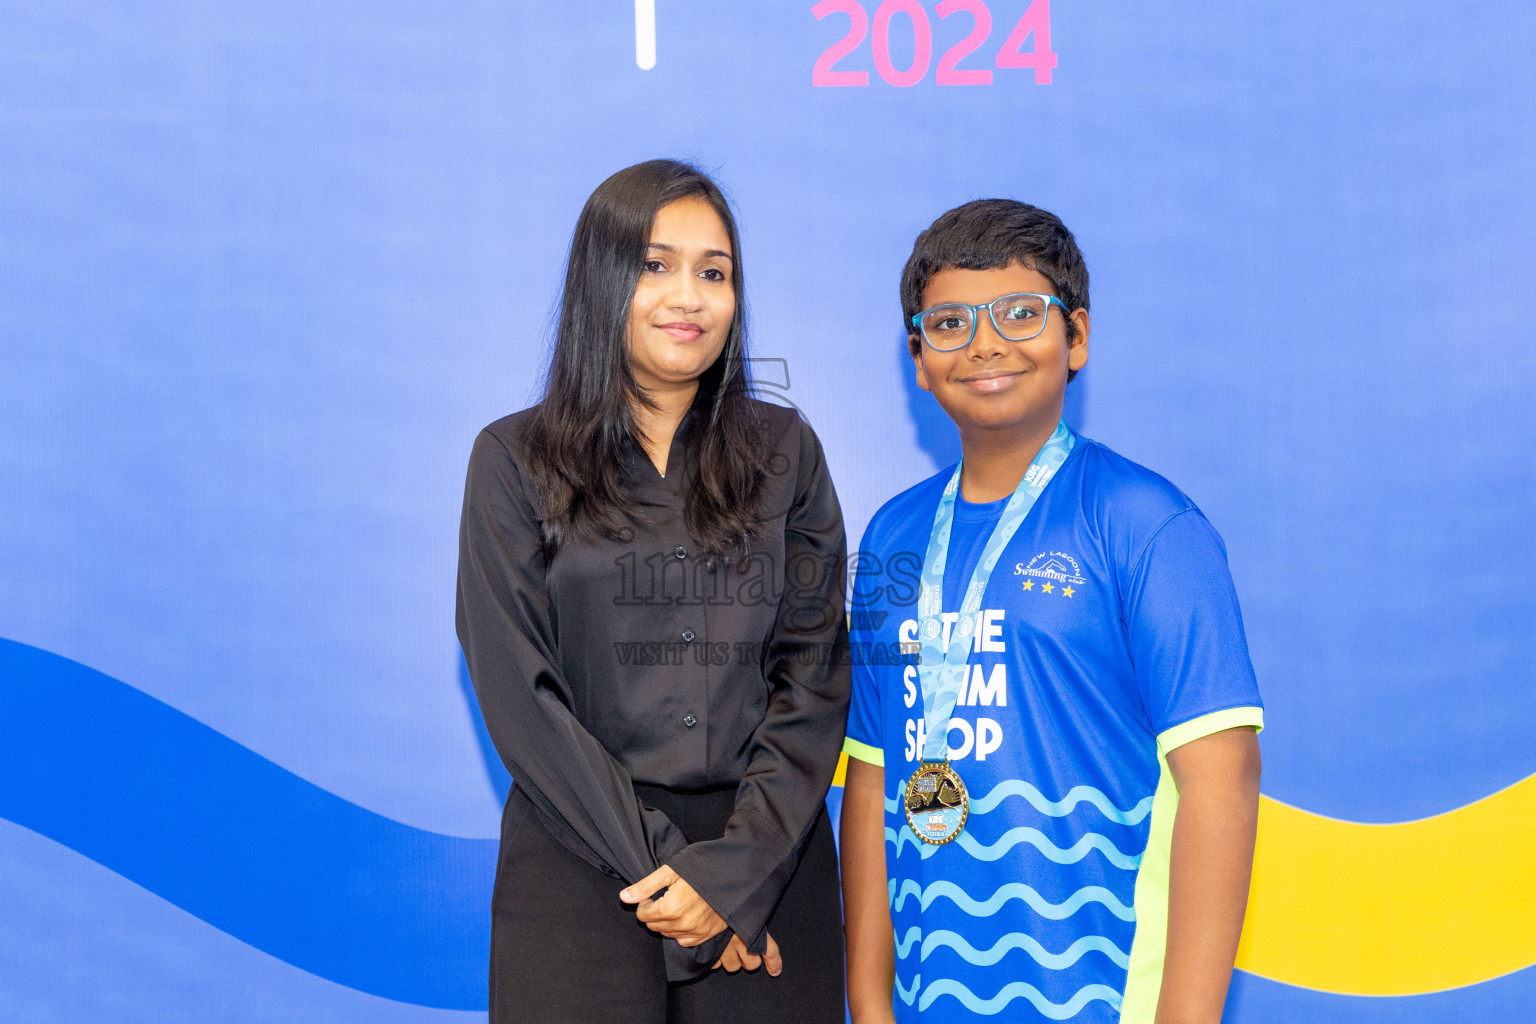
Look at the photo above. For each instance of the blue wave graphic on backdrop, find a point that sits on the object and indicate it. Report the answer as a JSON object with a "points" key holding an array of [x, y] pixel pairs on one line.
{"points": [[1013, 837], [1008, 891], [240, 842], [1051, 808]]}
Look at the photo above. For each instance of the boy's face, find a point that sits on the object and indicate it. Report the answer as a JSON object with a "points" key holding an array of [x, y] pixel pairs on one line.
{"points": [[994, 383]]}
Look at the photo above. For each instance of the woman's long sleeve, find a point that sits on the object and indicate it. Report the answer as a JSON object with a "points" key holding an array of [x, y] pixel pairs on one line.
{"points": [[794, 752], [506, 630]]}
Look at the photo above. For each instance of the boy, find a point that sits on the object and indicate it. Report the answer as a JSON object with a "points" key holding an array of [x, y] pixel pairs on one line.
{"points": [[1053, 768]]}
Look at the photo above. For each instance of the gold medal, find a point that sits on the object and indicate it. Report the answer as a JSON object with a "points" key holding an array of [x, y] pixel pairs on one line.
{"points": [[937, 805]]}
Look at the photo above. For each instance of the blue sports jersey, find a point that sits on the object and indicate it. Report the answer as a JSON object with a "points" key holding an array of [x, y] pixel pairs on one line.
{"points": [[1110, 635]]}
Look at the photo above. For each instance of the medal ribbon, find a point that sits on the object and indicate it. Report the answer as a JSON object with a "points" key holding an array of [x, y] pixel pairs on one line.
{"points": [[943, 672]]}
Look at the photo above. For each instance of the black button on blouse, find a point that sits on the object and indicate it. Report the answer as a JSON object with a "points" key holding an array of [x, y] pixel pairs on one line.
{"points": [[582, 679]]}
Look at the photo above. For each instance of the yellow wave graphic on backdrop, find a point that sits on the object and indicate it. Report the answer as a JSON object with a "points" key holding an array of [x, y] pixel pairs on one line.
{"points": [[1392, 910]]}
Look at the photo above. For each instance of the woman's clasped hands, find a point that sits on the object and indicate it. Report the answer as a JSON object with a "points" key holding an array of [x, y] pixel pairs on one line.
{"points": [[681, 913]]}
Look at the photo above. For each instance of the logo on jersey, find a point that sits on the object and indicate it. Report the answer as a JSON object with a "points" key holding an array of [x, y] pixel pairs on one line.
{"points": [[1051, 572]]}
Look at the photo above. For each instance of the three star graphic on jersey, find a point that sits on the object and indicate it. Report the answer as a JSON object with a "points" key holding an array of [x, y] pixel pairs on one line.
{"points": [[1047, 588], [1058, 570]]}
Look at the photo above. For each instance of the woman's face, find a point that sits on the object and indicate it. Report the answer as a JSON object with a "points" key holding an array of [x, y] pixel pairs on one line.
{"points": [[683, 306]]}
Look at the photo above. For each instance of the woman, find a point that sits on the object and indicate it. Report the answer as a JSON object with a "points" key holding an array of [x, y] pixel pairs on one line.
{"points": [[651, 605]]}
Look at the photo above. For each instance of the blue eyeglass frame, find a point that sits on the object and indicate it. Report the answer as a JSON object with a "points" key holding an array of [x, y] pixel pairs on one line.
{"points": [[1050, 300]]}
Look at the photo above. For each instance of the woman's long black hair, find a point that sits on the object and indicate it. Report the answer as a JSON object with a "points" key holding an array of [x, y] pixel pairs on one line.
{"points": [[584, 428]]}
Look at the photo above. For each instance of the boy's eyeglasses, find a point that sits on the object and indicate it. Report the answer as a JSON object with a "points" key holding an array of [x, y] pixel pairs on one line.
{"points": [[1017, 317]]}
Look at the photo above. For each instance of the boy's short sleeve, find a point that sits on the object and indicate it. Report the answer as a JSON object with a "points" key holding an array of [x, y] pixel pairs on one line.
{"points": [[863, 740], [864, 712], [1186, 635]]}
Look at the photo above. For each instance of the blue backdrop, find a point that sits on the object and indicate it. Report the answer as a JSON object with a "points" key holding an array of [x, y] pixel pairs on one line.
{"points": [[266, 267]]}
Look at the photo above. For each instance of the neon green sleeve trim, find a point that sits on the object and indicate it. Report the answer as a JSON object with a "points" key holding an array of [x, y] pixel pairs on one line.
{"points": [[1144, 973], [864, 752], [1205, 725]]}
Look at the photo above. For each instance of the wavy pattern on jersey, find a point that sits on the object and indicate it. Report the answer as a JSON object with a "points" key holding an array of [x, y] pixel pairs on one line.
{"points": [[1051, 808], [1019, 990], [904, 944], [243, 844], [1010, 942], [968, 842], [1013, 990], [1009, 891], [1441, 903]]}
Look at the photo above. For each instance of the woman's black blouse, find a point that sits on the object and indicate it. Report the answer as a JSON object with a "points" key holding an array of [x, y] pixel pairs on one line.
{"points": [[643, 660]]}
